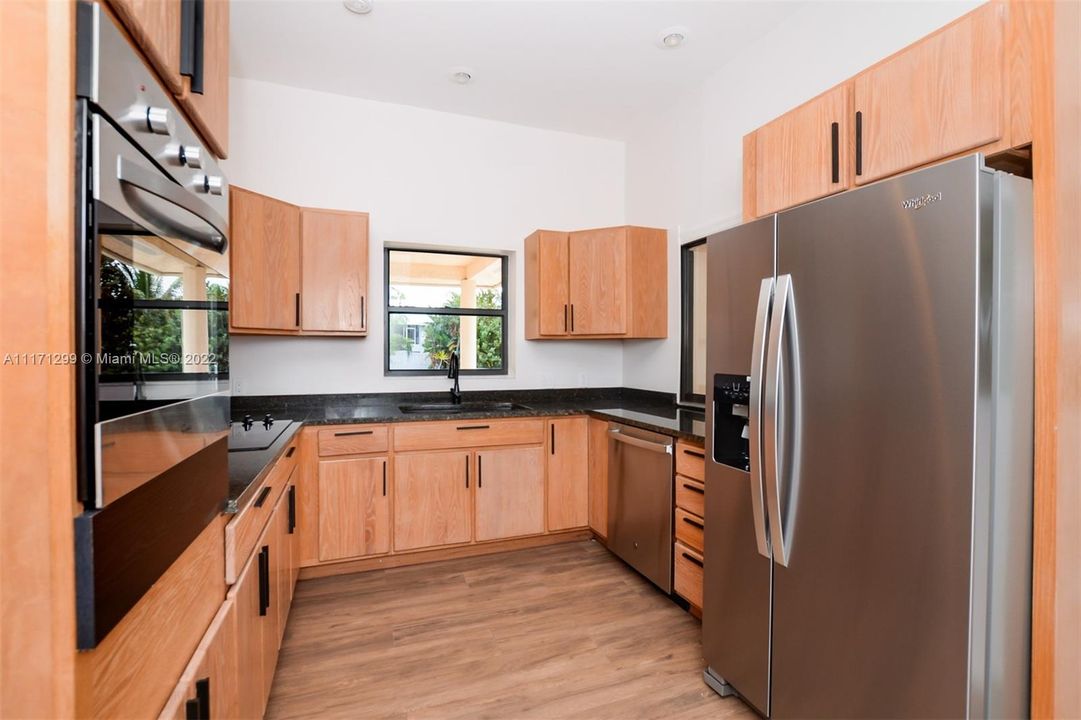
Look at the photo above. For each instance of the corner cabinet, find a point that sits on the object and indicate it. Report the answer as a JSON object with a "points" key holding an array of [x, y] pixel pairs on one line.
{"points": [[296, 271], [603, 283], [945, 95]]}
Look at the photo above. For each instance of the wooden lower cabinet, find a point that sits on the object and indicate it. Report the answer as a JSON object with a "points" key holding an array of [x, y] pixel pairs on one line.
{"points": [[354, 508], [251, 688], [568, 473], [598, 476], [510, 493], [432, 499], [208, 686]]}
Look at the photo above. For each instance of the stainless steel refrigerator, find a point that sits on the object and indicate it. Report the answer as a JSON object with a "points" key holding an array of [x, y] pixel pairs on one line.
{"points": [[869, 444]]}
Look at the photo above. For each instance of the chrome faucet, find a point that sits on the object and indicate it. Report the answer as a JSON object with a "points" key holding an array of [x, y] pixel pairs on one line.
{"points": [[455, 365]]}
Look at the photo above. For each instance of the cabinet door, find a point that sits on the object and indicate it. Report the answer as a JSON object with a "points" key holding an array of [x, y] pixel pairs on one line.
{"points": [[568, 473], [282, 553], [265, 262], [598, 282], [209, 109], [803, 154], [334, 262], [155, 27], [598, 476], [553, 305], [268, 656], [214, 682], [510, 492], [432, 499], [939, 97], [354, 508], [250, 687]]}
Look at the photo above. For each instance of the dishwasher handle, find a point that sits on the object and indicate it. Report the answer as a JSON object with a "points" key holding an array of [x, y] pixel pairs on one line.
{"points": [[638, 442]]}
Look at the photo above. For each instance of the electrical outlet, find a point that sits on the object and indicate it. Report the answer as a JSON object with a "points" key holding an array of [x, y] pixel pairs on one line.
{"points": [[238, 389]]}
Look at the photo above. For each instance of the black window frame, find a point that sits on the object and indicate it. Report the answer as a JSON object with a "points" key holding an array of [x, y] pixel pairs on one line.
{"points": [[502, 312], [686, 340]]}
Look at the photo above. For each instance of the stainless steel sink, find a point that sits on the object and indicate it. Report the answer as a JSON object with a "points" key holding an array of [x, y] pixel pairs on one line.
{"points": [[466, 407]]}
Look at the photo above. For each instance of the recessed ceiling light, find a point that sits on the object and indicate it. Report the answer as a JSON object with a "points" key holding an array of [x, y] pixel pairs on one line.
{"points": [[461, 76], [360, 7], [671, 38]]}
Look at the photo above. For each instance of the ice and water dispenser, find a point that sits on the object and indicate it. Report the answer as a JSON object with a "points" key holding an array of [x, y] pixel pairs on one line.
{"points": [[731, 395]]}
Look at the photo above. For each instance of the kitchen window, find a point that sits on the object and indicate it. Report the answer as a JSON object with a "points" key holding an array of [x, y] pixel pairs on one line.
{"points": [[692, 376], [441, 302]]}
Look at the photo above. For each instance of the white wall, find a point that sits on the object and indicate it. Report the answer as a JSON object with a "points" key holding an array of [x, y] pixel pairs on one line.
{"points": [[684, 171], [427, 178]]}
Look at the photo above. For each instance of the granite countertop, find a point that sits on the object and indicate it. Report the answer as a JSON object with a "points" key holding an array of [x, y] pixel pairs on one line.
{"points": [[640, 408]]}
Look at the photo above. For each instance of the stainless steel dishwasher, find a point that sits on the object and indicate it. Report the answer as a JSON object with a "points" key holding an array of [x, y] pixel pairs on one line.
{"points": [[640, 501]]}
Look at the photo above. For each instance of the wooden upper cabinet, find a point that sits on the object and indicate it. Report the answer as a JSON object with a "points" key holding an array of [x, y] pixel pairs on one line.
{"points": [[604, 283], [568, 473], [802, 155], [510, 493], [265, 260], [937, 98], [334, 264], [208, 105], [598, 282], [354, 508], [432, 499], [155, 26]]}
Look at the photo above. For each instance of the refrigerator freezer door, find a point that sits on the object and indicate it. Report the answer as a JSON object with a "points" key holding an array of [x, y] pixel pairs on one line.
{"points": [[736, 600], [871, 614]]}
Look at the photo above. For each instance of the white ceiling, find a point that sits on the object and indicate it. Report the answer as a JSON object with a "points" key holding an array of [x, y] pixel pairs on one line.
{"points": [[588, 67]]}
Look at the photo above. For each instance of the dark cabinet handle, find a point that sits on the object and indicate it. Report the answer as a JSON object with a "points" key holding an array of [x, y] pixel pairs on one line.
{"points": [[363, 316], [264, 580], [467, 471], [694, 523], [564, 317], [572, 317], [192, 42], [835, 151], [191, 710], [859, 143], [693, 559], [262, 496], [473, 427], [354, 432], [384, 478], [480, 470], [298, 309], [202, 696], [694, 488], [694, 453], [290, 451], [553, 427], [293, 508]]}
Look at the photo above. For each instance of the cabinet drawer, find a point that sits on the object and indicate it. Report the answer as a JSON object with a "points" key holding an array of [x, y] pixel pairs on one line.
{"points": [[353, 440], [688, 574], [689, 529], [691, 495], [467, 433], [690, 460], [244, 529]]}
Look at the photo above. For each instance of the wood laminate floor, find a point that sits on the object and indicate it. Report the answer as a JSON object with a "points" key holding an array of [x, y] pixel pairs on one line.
{"points": [[565, 631]]}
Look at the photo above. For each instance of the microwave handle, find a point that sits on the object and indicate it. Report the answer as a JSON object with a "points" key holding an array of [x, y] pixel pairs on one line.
{"points": [[131, 174]]}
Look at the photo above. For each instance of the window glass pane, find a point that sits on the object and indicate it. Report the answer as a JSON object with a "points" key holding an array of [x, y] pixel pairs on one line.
{"points": [[698, 330], [445, 280], [425, 342]]}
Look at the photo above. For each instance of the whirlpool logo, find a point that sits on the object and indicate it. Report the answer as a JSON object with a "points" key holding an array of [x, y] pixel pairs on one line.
{"points": [[921, 201]]}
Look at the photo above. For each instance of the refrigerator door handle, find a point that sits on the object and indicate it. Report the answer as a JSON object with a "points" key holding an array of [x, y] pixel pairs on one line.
{"points": [[783, 317], [754, 415]]}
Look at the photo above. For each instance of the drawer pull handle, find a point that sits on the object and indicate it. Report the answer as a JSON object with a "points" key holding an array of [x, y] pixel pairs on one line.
{"points": [[694, 489], [293, 507], [473, 427], [693, 559], [264, 580], [694, 523], [694, 453], [354, 432], [467, 471], [262, 496], [290, 451]]}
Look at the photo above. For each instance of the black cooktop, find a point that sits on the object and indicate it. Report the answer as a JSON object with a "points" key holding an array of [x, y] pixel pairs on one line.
{"points": [[251, 434]]}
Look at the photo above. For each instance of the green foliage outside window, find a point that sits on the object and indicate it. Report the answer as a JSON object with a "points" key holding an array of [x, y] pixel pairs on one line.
{"points": [[441, 335]]}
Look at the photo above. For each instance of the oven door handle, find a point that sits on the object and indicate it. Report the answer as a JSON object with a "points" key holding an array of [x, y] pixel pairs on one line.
{"points": [[131, 174]]}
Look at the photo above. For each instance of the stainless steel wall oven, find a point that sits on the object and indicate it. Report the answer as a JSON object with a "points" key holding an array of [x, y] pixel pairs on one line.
{"points": [[152, 328]]}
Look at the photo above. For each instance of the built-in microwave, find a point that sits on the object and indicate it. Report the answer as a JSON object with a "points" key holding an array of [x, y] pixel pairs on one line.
{"points": [[152, 328]]}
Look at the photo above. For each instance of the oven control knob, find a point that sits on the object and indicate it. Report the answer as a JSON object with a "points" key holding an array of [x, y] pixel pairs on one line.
{"points": [[213, 184], [159, 121], [191, 155]]}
